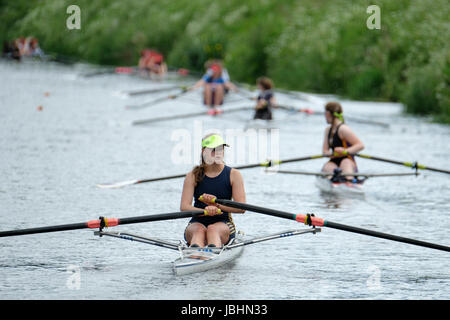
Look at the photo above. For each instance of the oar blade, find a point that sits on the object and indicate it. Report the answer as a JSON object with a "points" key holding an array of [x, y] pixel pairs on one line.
{"points": [[117, 184]]}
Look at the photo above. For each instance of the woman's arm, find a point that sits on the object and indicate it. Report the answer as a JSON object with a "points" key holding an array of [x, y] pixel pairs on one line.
{"points": [[273, 101], [188, 193], [238, 191], [346, 133], [262, 103]]}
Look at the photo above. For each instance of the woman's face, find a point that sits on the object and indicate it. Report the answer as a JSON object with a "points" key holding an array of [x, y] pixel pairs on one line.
{"points": [[213, 156]]}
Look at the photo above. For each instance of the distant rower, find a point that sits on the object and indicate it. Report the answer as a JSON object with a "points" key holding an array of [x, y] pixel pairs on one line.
{"points": [[342, 142], [152, 62], [265, 100], [215, 86], [22, 47]]}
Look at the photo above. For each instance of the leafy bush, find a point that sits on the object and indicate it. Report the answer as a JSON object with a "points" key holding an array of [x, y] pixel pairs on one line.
{"points": [[320, 46]]}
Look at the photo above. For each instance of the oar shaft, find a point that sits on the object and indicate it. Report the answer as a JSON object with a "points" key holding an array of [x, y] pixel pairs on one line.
{"points": [[146, 91], [183, 116], [110, 222], [318, 156], [407, 164], [248, 166], [309, 111], [413, 165], [325, 223], [153, 102], [161, 178], [64, 227], [367, 175], [276, 162], [160, 217], [386, 236], [253, 208], [180, 116]]}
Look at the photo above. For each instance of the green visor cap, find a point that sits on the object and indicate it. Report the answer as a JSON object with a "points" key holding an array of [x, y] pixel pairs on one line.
{"points": [[213, 142]]}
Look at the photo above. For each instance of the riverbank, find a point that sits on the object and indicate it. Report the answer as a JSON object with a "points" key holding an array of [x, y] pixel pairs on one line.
{"points": [[315, 46]]}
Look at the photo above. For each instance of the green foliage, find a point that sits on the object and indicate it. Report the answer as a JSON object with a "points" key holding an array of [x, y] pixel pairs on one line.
{"points": [[321, 46]]}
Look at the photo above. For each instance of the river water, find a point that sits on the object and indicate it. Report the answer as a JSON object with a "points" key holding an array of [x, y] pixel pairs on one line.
{"points": [[61, 134]]}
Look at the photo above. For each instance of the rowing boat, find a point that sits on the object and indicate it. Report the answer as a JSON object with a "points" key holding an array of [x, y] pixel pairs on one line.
{"points": [[335, 182], [196, 259], [348, 188]]}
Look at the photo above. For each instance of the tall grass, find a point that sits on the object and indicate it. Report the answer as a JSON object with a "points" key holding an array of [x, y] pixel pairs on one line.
{"points": [[321, 46]]}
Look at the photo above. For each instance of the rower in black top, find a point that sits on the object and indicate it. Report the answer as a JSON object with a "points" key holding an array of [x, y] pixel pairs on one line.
{"points": [[210, 180], [265, 100], [342, 142]]}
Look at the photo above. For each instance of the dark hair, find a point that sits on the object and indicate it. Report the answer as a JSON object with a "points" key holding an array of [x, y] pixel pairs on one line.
{"points": [[265, 82], [199, 171], [333, 107]]}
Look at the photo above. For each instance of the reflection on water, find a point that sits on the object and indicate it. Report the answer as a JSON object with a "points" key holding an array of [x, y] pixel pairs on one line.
{"points": [[337, 201]]}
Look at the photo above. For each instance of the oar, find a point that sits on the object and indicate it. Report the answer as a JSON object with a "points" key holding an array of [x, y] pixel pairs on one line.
{"points": [[268, 163], [154, 102], [183, 116], [352, 119], [312, 112], [289, 108], [147, 91], [96, 73], [103, 223], [367, 175], [315, 221], [131, 182], [56, 57], [120, 70], [413, 165], [249, 97], [184, 72]]}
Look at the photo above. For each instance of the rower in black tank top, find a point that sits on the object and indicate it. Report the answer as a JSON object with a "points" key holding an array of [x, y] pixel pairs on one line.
{"points": [[335, 141], [266, 112], [219, 186]]}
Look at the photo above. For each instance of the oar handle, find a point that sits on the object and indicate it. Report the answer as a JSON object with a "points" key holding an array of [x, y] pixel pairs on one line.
{"points": [[213, 201]]}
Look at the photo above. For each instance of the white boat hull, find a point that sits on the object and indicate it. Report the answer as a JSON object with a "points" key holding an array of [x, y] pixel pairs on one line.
{"points": [[346, 188], [194, 260]]}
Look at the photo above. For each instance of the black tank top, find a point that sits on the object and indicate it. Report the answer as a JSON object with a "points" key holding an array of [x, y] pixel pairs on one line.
{"points": [[266, 112], [336, 141], [220, 187]]}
